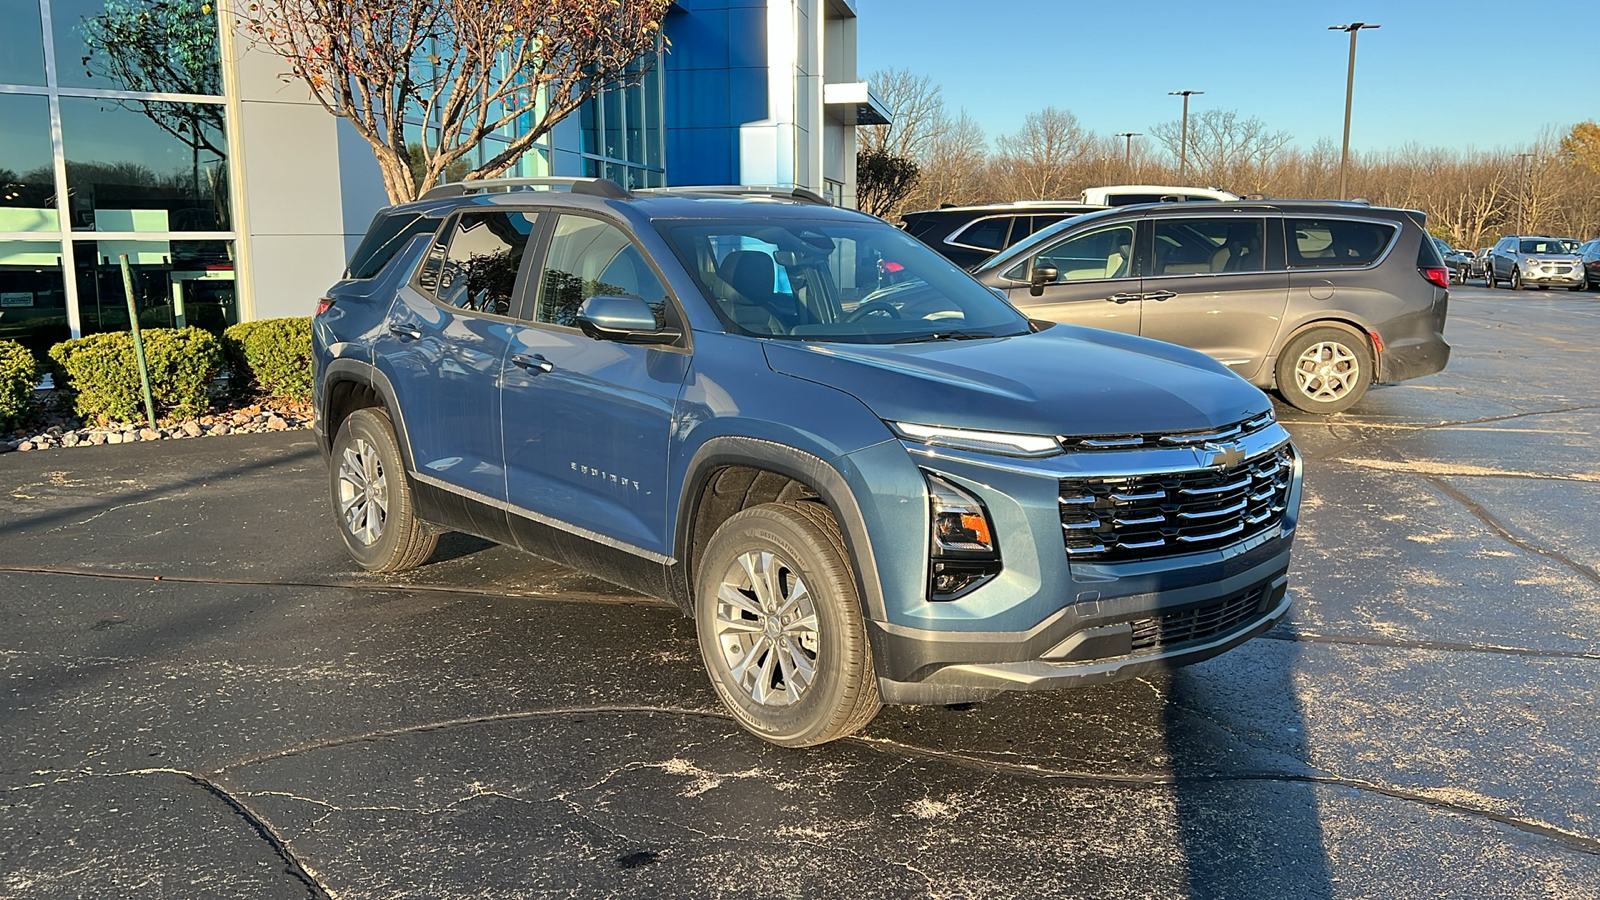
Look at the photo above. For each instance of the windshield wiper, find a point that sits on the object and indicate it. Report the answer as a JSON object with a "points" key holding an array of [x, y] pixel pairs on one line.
{"points": [[950, 336]]}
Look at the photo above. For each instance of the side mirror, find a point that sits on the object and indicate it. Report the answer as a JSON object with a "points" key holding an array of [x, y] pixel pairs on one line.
{"points": [[1042, 275], [628, 320]]}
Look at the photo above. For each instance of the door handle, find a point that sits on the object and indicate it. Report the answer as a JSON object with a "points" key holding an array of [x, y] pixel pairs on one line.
{"points": [[1160, 295], [406, 332], [534, 363], [1124, 298]]}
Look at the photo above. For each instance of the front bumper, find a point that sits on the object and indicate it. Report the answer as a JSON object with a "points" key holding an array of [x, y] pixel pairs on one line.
{"points": [[1544, 278], [1085, 643]]}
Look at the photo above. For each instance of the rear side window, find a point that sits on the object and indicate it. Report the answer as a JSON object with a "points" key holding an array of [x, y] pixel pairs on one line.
{"points": [[984, 234], [387, 235], [1194, 246], [475, 267], [1428, 254], [1321, 243]]}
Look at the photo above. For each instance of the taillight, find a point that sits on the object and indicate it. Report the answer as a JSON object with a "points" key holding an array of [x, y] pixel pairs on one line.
{"points": [[323, 306], [1439, 276]]}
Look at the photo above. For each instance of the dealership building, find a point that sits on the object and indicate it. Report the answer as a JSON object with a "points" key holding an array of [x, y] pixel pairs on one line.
{"points": [[142, 127]]}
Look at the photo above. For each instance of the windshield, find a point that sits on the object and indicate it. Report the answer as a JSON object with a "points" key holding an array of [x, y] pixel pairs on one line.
{"points": [[1545, 245], [854, 282]]}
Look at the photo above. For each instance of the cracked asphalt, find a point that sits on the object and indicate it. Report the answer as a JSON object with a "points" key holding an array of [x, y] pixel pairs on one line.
{"points": [[203, 698]]}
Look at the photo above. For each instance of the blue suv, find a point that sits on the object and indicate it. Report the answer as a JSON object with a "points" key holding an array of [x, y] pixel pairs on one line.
{"points": [[866, 477]]}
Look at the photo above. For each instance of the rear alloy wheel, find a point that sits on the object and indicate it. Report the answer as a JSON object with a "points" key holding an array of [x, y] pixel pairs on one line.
{"points": [[372, 497], [780, 629], [1324, 370]]}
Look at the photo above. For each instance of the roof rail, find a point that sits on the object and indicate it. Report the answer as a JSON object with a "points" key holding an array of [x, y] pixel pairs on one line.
{"points": [[595, 187], [793, 193]]}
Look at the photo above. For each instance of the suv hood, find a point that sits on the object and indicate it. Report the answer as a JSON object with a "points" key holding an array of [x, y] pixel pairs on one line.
{"points": [[1061, 381]]}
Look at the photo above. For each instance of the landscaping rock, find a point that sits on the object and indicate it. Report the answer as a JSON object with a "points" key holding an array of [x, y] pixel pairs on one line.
{"points": [[192, 428]]}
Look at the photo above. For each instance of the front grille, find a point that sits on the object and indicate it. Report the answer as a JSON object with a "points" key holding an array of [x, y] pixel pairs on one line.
{"points": [[1164, 440], [1169, 631], [1144, 516]]}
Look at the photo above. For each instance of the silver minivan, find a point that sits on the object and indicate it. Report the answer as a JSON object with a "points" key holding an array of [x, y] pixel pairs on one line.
{"points": [[1316, 299]]}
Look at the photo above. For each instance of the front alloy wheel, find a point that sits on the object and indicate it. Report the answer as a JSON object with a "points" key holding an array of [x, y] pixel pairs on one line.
{"points": [[767, 629], [779, 621]]}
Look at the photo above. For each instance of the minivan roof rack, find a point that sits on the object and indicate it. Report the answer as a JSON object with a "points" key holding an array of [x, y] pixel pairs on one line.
{"points": [[595, 187], [761, 190]]}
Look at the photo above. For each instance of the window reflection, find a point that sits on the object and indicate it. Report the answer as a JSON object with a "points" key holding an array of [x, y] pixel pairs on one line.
{"points": [[22, 62], [157, 166], [162, 46], [27, 172], [175, 284], [33, 297]]}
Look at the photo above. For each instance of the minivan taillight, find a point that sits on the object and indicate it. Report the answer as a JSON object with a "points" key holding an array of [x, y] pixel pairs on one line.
{"points": [[323, 306], [1439, 276]]}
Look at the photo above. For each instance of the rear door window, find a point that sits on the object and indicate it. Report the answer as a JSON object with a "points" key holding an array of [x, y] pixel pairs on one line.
{"points": [[1322, 243], [1195, 246], [475, 265]]}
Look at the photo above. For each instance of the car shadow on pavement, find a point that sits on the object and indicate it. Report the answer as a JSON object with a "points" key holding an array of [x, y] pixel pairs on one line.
{"points": [[1248, 817]]}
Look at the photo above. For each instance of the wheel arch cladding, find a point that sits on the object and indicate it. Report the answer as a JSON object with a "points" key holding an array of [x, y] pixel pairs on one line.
{"points": [[730, 473]]}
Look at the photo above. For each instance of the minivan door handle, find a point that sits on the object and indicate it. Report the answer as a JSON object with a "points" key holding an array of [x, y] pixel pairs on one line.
{"points": [[406, 332], [1160, 295], [533, 363], [1124, 298]]}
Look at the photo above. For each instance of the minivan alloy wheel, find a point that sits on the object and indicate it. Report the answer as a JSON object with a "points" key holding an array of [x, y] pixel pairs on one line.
{"points": [[1327, 371], [363, 492], [767, 628]]}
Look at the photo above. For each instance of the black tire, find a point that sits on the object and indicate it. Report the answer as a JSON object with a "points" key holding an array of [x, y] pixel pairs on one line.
{"points": [[384, 534], [1488, 278], [1577, 287], [1345, 356], [1516, 280], [805, 547]]}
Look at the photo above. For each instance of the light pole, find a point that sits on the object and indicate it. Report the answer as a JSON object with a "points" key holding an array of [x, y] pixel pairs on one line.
{"points": [[1127, 151], [1183, 142], [1349, 93]]}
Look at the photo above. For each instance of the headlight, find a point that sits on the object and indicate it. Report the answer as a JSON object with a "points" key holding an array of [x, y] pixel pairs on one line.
{"points": [[992, 442], [1530, 261], [962, 545]]}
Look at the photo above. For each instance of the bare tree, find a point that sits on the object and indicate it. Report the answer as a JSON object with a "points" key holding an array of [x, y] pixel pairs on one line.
{"points": [[1035, 162], [917, 106], [1226, 150], [466, 68], [953, 167]]}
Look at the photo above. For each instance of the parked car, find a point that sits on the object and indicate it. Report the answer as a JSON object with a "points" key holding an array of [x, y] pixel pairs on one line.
{"points": [[1460, 265], [968, 235], [1459, 262], [1480, 262], [1524, 261], [1318, 299], [1589, 259], [865, 482], [1133, 194]]}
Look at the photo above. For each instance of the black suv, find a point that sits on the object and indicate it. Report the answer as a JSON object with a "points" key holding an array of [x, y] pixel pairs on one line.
{"points": [[865, 476], [1318, 299], [968, 235]]}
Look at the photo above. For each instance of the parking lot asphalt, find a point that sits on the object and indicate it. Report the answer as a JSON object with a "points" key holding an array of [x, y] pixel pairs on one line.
{"points": [[204, 698]]}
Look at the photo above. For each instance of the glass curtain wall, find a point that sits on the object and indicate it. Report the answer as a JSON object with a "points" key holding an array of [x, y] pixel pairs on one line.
{"points": [[623, 132], [113, 142]]}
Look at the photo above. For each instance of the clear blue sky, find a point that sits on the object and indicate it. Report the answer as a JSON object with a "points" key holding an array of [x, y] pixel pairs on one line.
{"points": [[1428, 75]]}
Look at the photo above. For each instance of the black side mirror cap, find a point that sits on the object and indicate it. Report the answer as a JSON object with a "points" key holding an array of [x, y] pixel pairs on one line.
{"points": [[1042, 275]]}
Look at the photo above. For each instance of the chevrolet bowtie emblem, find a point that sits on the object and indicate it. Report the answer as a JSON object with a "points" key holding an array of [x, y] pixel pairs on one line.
{"points": [[1214, 456]]}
